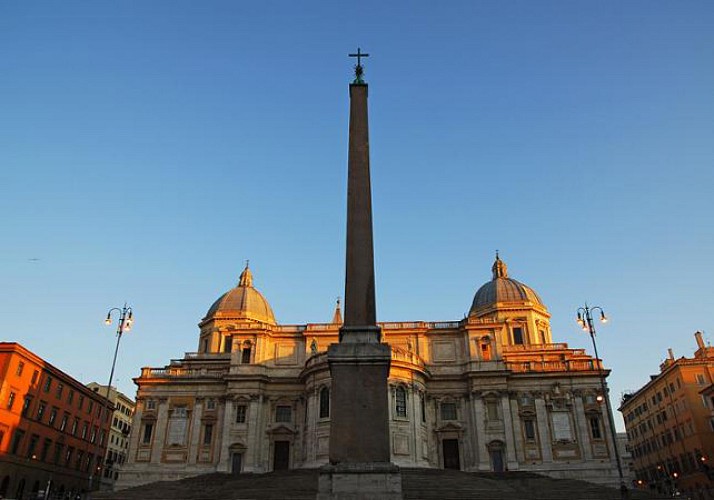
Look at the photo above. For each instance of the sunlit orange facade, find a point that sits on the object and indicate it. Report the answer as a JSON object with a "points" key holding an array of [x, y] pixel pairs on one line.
{"points": [[669, 426], [491, 392], [52, 427]]}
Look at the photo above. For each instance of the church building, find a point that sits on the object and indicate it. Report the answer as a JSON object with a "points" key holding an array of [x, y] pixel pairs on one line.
{"points": [[491, 392]]}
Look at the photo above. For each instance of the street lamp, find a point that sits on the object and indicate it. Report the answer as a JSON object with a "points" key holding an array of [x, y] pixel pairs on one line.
{"points": [[126, 318], [585, 320]]}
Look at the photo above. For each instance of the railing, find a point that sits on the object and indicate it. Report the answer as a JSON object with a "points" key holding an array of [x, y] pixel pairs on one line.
{"points": [[554, 366], [172, 372], [533, 347], [411, 325], [207, 355]]}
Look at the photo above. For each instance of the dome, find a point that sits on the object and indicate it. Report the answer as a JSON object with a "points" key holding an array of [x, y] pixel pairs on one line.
{"points": [[243, 301], [503, 289]]}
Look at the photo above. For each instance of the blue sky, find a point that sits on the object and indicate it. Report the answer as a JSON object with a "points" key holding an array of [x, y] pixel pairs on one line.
{"points": [[148, 148]]}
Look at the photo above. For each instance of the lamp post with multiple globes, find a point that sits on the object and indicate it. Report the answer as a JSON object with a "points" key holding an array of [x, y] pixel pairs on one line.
{"points": [[585, 320], [126, 318]]}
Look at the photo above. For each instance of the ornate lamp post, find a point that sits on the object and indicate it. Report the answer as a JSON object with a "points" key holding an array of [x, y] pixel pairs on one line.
{"points": [[126, 318], [585, 320]]}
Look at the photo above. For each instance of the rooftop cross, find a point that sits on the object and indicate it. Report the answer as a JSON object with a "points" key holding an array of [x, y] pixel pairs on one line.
{"points": [[358, 68]]}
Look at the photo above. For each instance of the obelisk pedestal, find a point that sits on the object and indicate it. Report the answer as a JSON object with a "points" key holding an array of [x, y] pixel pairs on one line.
{"points": [[360, 467]]}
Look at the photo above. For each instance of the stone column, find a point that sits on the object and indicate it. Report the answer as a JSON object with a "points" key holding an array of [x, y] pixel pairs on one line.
{"points": [[479, 411], [162, 421], [195, 433], [511, 460], [224, 423], [581, 422], [546, 442]]}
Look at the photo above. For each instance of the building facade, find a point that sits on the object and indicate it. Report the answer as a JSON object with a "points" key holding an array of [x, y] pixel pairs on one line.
{"points": [[491, 392], [669, 425], [51, 428], [119, 429]]}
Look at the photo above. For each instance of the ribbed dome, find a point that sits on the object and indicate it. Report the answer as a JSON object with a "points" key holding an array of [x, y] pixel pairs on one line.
{"points": [[503, 289], [243, 301]]}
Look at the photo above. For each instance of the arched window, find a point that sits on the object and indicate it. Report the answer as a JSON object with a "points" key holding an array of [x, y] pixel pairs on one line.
{"points": [[246, 352], [400, 402], [324, 402]]}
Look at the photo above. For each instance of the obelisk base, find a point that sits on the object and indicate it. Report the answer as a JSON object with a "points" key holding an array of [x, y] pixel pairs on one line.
{"points": [[355, 481], [359, 416]]}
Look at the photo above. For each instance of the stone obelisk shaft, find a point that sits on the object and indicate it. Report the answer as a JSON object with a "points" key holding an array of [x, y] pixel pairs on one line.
{"points": [[360, 308], [359, 364]]}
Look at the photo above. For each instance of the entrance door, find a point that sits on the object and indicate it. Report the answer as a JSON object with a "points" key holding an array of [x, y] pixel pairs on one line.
{"points": [[236, 460], [281, 455], [497, 460], [451, 454]]}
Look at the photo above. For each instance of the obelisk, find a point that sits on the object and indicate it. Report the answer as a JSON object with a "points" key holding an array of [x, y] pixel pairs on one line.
{"points": [[360, 465]]}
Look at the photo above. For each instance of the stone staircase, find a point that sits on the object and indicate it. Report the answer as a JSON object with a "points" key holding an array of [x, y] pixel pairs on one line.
{"points": [[417, 484]]}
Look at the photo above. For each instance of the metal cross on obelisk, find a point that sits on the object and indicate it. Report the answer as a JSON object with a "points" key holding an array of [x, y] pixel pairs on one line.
{"points": [[359, 71]]}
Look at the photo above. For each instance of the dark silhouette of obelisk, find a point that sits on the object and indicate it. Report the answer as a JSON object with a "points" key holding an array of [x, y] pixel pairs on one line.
{"points": [[359, 363]]}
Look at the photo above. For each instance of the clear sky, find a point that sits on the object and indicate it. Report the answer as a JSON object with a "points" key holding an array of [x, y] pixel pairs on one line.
{"points": [[147, 148]]}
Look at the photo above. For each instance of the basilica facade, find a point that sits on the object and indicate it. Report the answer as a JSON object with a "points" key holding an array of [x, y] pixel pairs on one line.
{"points": [[491, 392]]}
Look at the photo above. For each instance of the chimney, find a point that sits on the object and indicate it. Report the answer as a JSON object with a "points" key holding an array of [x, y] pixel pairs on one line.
{"points": [[700, 341], [671, 354]]}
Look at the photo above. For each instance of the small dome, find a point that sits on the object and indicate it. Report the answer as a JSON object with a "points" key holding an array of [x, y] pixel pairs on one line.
{"points": [[503, 289], [243, 302]]}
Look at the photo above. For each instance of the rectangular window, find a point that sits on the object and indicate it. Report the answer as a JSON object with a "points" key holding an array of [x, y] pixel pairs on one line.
{"points": [[48, 384], [150, 404], [324, 402], [245, 356], [32, 445], [400, 402], [17, 437], [10, 400], [68, 456], [207, 434], [53, 415], [700, 379], [75, 424], [211, 404], [41, 410], [423, 408], [63, 424], [595, 429], [529, 429], [20, 367], [518, 336], [46, 445], [35, 376], [90, 406], [26, 406], [85, 427], [283, 414], [240, 414], [60, 388], [80, 402], [448, 411], [70, 396], [58, 453], [492, 410], [148, 430]]}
